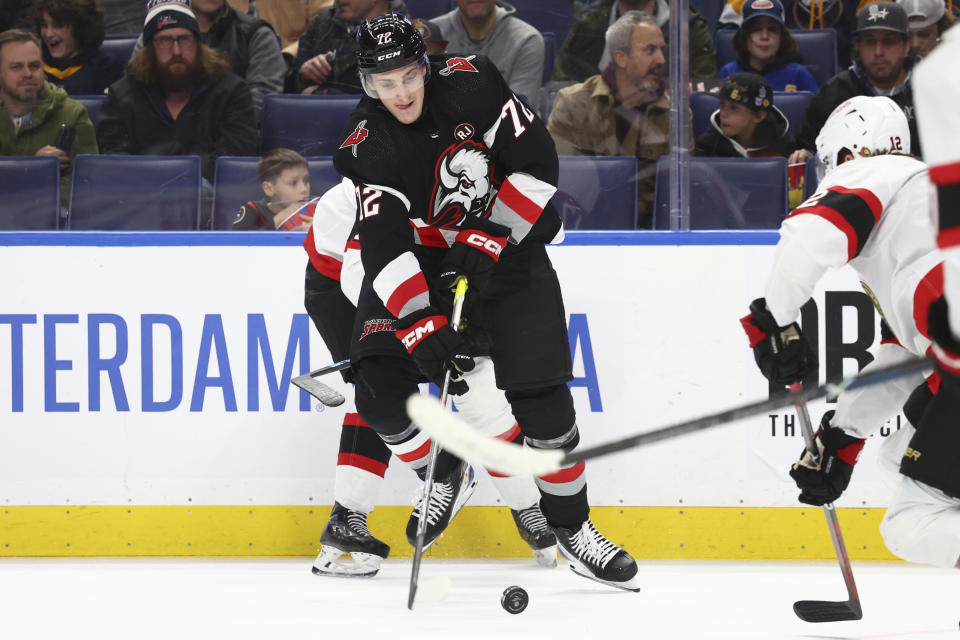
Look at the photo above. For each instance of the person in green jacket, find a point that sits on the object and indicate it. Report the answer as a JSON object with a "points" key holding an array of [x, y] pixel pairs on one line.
{"points": [[34, 114], [583, 53]]}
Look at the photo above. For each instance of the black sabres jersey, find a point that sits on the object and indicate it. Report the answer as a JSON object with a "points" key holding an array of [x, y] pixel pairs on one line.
{"points": [[476, 151]]}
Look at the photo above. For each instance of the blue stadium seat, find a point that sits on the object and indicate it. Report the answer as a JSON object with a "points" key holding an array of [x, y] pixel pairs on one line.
{"points": [[119, 47], [792, 103], [711, 10], [30, 193], [427, 9], [236, 182], [817, 48], [310, 125], [810, 179], [553, 16], [92, 104], [546, 104], [144, 193], [549, 54], [728, 193], [597, 192]]}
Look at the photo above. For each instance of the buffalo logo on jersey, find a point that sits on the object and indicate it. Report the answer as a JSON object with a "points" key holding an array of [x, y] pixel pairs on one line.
{"points": [[462, 184], [359, 135], [377, 325], [459, 64]]}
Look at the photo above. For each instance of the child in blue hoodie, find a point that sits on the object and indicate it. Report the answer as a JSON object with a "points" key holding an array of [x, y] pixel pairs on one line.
{"points": [[765, 46]]}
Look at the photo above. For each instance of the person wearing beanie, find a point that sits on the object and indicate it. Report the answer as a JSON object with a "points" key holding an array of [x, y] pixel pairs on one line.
{"points": [[747, 124], [928, 20], [881, 67], [178, 96], [765, 46]]}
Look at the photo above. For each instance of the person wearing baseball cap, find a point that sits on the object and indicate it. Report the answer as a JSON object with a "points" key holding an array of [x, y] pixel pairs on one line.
{"points": [[747, 124], [432, 36], [881, 67], [928, 20], [765, 46]]}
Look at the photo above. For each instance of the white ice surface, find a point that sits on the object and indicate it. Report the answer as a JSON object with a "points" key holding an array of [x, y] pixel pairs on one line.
{"points": [[279, 598]]}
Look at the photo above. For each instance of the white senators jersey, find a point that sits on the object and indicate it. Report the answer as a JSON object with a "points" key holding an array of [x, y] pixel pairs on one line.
{"points": [[873, 214], [334, 214]]}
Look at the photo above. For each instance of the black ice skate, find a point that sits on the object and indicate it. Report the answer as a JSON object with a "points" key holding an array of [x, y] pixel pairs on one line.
{"points": [[535, 531], [346, 534], [593, 556], [447, 497]]}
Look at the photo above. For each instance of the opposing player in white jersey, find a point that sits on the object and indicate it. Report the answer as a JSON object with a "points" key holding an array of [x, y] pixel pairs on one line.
{"points": [[333, 279], [936, 94], [870, 212]]}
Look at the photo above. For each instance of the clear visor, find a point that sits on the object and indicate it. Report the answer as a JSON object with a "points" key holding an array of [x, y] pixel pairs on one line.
{"points": [[397, 83]]}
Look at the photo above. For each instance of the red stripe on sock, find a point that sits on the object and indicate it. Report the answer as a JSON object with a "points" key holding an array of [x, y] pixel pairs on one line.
{"points": [[422, 452], [565, 475], [361, 462]]}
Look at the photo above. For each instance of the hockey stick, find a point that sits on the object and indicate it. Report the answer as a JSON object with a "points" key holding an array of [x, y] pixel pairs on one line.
{"points": [[438, 590], [825, 610], [463, 441], [322, 392]]}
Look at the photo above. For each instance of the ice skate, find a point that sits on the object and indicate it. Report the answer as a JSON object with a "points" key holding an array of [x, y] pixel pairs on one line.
{"points": [[593, 556], [346, 535], [535, 531], [448, 495]]}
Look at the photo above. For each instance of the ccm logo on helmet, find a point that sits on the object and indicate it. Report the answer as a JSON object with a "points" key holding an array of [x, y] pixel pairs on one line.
{"points": [[483, 242], [387, 56], [419, 332]]}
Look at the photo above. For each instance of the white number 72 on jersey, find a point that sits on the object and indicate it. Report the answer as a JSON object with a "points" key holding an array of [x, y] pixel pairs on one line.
{"points": [[510, 109]]}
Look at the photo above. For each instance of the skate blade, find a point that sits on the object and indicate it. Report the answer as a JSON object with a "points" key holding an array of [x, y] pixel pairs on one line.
{"points": [[331, 562], [546, 557], [633, 584]]}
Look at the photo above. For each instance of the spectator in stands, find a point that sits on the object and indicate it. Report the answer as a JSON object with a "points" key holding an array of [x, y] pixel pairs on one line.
{"points": [[14, 14], [285, 180], [765, 46], [178, 96], [583, 53], [747, 124], [928, 20], [123, 17], [325, 61], [36, 117], [72, 32], [623, 111], [881, 68], [491, 28], [288, 19], [432, 36]]}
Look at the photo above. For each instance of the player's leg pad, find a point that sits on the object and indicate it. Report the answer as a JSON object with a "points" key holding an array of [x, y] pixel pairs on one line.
{"points": [[534, 530], [592, 556], [448, 494], [348, 547]]}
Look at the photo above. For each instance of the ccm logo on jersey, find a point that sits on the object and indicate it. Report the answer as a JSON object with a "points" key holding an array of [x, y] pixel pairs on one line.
{"points": [[359, 135], [459, 64], [484, 243]]}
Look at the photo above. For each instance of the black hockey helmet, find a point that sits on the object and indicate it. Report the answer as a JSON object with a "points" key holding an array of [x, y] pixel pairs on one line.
{"points": [[388, 42]]}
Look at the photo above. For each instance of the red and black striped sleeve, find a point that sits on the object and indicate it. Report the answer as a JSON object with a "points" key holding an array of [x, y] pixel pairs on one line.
{"points": [[855, 212]]}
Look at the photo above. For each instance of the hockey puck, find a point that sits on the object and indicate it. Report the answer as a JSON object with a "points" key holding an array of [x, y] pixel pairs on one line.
{"points": [[514, 599]]}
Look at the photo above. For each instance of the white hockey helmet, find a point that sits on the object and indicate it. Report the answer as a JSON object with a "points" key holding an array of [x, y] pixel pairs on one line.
{"points": [[865, 126]]}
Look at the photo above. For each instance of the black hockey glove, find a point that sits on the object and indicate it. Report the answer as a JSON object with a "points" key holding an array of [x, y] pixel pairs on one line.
{"points": [[473, 254], [782, 353], [434, 345], [946, 348], [823, 483]]}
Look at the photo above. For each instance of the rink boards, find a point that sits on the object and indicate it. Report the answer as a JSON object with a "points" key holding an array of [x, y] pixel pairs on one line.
{"points": [[145, 407]]}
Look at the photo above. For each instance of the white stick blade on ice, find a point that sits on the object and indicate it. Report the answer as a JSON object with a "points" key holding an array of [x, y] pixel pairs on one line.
{"points": [[431, 591], [459, 438]]}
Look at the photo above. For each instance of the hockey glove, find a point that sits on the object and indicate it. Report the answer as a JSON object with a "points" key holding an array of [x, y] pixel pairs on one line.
{"points": [[473, 254], [782, 353], [823, 483], [434, 345], [946, 348]]}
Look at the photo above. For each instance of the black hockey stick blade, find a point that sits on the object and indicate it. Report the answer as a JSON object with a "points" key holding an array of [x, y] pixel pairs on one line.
{"points": [[826, 611], [326, 394]]}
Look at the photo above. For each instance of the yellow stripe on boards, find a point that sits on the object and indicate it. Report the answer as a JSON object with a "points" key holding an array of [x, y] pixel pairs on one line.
{"points": [[720, 533]]}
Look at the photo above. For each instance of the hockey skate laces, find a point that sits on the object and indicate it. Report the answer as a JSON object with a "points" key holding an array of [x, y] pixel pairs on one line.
{"points": [[532, 520], [441, 495], [358, 522], [590, 545]]}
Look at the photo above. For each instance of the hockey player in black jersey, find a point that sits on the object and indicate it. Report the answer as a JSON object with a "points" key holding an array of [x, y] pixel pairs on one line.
{"points": [[453, 176]]}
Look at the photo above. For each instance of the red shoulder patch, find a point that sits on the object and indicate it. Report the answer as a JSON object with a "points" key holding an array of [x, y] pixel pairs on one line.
{"points": [[459, 64], [359, 135]]}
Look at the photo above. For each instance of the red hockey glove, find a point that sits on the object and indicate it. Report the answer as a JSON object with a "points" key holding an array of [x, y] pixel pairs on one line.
{"points": [[473, 254], [823, 483], [434, 345], [782, 353]]}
